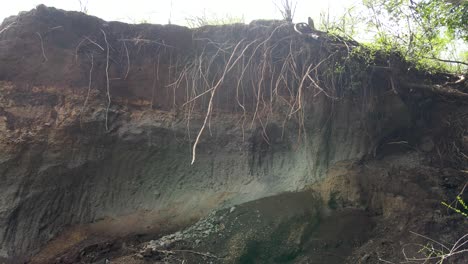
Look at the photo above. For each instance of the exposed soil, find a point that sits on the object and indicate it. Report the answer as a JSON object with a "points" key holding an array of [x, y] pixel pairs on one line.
{"points": [[297, 161], [359, 214]]}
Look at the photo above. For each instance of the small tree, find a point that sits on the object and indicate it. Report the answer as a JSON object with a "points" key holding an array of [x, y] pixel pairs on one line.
{"points": [[83, 6], [287, 9]]}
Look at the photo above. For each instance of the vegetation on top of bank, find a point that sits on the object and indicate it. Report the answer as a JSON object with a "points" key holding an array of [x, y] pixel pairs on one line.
{"points": [[431, 34]]}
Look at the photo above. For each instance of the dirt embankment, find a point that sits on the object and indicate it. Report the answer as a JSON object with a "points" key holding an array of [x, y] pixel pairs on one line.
{"points": [[98, 122]]}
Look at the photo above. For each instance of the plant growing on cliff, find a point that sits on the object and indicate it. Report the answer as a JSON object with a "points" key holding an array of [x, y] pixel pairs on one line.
{"points": [[272, 67], [437, 251], [287, 8], [464, 207], [432, 34], [212, 20], [83, 6], [434, 251]]}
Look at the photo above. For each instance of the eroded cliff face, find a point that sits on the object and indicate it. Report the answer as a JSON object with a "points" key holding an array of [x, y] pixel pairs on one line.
{"points": [[72, 157]]}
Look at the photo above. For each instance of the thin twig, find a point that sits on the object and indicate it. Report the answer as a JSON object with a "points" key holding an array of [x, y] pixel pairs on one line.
{"points": [[448, 61]]}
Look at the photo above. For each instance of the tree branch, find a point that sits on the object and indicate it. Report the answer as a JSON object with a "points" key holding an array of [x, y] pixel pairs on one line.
{"points": [[448, 61]]}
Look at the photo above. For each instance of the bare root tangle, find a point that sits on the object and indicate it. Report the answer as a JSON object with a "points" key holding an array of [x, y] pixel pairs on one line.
{"points": [[271, 68], [433, 251], [210, 104], [107, 79], [77, 49], [436, 251]]}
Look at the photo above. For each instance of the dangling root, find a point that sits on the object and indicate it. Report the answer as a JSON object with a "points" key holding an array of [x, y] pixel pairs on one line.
{"points": [[107, 79]]}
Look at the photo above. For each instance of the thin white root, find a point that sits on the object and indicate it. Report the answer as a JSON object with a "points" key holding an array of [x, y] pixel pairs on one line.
{"points": [[89, 86], [107, 79], [172, 252], [42, 47], [128, 60], [95, 43], [7, 27], [210, 104]]}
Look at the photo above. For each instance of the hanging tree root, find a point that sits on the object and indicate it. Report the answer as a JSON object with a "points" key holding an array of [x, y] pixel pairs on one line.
{"points": [[107, 79], [89, 87], [276, 64], [268, 67], [42, 47], [7, 27]]}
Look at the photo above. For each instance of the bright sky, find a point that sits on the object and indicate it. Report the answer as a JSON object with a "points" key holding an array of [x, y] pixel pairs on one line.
{"points": [[160, 11]]}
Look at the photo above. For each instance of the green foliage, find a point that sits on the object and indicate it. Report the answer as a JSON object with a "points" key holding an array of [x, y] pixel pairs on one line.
{"points": [[463, 211], [438, 252], [345, 25], [437, 14], [421, 31], [430, 251], [432, 34], [353, 69]]}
